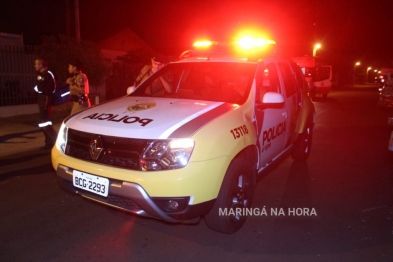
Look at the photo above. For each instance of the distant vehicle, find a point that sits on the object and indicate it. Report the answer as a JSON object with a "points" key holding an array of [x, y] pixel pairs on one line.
{"points": [[317, 74], [383, 75], [386, 96]]}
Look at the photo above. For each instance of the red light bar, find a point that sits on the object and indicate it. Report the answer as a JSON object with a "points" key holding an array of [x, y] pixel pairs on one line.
{"points": [[203, 43]]}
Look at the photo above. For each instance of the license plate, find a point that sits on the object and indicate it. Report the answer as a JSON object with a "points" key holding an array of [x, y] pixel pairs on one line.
{"points": [[94, 184]]}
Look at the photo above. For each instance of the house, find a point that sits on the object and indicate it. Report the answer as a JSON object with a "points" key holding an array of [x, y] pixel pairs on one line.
{"points": [[121, 43], [128, 53]]}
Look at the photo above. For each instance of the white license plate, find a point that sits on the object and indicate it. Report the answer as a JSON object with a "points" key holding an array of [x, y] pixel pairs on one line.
{"points": [[95, 184]]}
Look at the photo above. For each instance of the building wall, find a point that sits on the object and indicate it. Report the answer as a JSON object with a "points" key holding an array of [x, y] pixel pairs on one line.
{"points": [[11, 39]]}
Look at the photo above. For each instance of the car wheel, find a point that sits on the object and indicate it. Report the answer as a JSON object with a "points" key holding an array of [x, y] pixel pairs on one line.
{"points": [[303, 148], [235, 194]]}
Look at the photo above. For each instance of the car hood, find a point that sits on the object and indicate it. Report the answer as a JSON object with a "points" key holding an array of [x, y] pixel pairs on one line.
{"points": [[148, 118]]}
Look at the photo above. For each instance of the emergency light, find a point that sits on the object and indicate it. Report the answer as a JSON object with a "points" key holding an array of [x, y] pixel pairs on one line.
{"points": [[203, 44], [247, 46], [248, 42], [244, 43]]}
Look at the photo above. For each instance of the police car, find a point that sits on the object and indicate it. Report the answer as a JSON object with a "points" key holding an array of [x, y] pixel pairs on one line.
{"points": [[190, 141]]}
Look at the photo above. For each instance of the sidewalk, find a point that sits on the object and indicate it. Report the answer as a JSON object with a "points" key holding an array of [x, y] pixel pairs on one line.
{"points": [[21, 135]]}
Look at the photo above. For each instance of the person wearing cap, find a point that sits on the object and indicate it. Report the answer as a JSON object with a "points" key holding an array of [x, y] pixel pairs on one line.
{"points": [[46, 86], [147, 71], [159, 86], [79, 87]]}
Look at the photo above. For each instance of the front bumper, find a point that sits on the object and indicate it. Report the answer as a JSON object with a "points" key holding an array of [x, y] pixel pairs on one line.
{"points": [[132, 198]]}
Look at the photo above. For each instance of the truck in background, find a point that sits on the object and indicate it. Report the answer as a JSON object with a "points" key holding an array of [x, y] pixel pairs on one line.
{"points": [[317, 73]]}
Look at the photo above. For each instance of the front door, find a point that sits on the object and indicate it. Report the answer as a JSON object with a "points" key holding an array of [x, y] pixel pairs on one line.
{"points": [[271, 123]]}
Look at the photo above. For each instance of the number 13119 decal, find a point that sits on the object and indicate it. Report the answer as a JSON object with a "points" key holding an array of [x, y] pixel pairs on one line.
{"points": [[239, 131]]}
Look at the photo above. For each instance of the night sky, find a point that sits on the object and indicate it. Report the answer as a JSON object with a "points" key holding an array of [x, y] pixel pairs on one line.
{"points": [[348, 30]]}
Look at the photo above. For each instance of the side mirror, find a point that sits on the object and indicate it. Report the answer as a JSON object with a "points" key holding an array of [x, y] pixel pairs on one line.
{"points": [[271, 100], [131, 89]]}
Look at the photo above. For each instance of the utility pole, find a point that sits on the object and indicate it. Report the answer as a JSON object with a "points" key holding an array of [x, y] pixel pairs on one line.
{"points": [[68, 18], [77, 26]]}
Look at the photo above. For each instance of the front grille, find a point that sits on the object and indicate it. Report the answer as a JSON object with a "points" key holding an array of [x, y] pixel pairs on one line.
{"points": [[116, 151]]}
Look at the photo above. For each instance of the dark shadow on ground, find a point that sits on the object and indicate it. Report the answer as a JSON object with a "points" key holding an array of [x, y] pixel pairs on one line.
{"points": [[10, 160], [5, 138], [28, 171]]}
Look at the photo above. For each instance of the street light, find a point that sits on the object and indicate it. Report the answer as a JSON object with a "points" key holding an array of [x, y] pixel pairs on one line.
{"points": [[354, 72], [316, 47], [368, 69]]}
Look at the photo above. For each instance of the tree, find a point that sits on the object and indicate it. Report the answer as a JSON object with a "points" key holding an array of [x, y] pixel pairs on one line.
{"points": [[59, 51]]}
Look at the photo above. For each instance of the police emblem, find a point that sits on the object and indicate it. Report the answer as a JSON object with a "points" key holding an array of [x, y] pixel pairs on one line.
{"points": [[141, 106]]}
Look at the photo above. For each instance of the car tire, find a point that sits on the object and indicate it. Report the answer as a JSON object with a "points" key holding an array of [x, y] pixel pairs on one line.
{"points": [[303, 148], [236, 192]]}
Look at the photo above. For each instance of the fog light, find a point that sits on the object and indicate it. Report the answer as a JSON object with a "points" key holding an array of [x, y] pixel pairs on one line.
{"points": [[175, 204], [172, 205]]}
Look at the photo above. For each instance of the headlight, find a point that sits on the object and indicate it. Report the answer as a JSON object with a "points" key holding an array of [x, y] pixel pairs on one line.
{"points": [[61, 141], [167, 154]]}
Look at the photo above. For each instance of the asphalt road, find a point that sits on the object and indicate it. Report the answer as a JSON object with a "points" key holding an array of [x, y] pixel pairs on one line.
{"points": [[347, 182]]}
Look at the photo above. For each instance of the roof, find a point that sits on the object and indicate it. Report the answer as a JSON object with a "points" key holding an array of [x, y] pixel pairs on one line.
{"points": [[125, 40], [11, 39]]}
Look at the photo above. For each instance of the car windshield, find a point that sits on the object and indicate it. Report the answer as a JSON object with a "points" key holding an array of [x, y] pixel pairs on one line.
{"points": [[212, 81]]}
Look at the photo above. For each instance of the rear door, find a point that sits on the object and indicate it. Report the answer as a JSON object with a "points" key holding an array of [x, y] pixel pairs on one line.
{"points": [[292, 98], [270, 123]]}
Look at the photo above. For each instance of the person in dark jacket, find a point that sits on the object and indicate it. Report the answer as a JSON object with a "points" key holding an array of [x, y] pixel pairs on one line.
{"points": [[46, 86]]}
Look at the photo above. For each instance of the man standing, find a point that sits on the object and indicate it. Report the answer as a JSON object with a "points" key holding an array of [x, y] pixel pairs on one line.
{"points": [[79, 87], [158, 87], [45, 88]]}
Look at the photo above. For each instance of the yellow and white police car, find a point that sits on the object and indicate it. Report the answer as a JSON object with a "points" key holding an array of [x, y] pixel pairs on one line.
{"points": [[190, 140]]}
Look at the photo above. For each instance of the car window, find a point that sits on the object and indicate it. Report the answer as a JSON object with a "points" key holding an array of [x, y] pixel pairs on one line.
{"points": [[299, 75], [288, 79], [323, 73], [213, 81], [269, 81]]}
